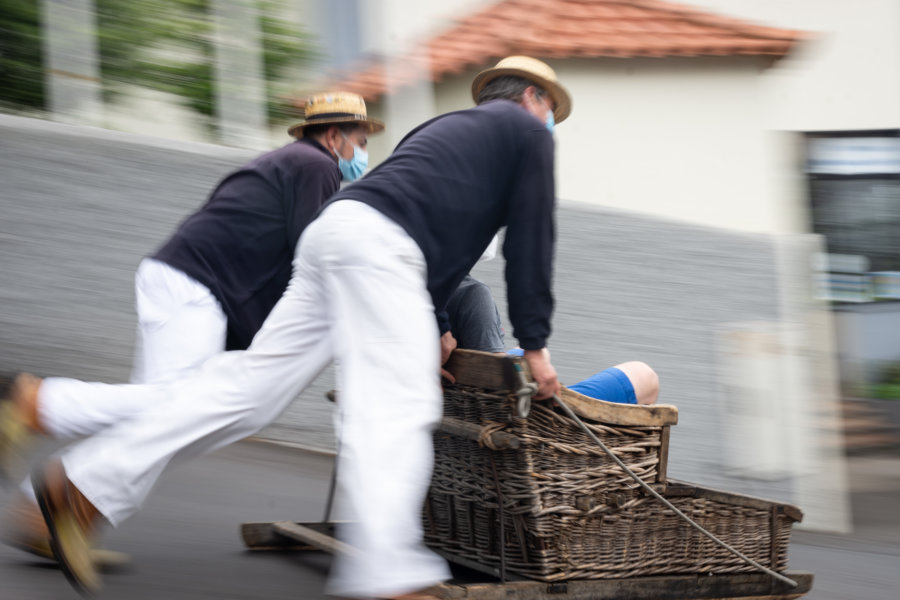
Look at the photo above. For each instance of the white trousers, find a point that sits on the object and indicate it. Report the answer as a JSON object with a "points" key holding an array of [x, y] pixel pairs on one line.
{"points": [[180, 326], [180, 323], [357, 294]]}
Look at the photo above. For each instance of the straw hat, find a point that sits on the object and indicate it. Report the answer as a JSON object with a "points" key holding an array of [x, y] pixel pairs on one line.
{"points": [[335, 107], [533, 70]]}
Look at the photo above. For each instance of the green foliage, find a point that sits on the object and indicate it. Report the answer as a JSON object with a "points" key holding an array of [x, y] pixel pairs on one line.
{"points": [[888, 385], [283, 49], [21, 83], [164, 45], [884, 391]]}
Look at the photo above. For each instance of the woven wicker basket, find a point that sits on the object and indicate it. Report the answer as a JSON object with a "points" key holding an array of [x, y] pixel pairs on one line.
{"points": [[568, 512]]}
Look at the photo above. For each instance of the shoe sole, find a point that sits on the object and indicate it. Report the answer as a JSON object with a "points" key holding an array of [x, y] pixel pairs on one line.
{"points": [[105, 561], [14, 436], [67, 540]]}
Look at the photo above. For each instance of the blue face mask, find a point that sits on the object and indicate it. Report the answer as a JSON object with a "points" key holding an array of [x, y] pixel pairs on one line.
{"points": [[353, 169], [550, 121]]}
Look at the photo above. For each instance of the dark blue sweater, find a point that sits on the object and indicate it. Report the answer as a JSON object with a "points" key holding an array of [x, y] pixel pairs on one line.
{"points": [[241, 243], [454, 181]]}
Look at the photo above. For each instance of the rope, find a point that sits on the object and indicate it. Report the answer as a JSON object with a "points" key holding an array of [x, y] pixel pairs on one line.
{"points": [[489, 429], [656, 495]]}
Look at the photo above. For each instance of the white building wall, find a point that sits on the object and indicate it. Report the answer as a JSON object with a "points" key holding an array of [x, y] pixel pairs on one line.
{"points": [[846, 77], [676, 138], [392, 22]]}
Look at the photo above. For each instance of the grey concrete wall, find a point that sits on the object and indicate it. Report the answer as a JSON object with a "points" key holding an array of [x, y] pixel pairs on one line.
{"points": [[81, 207]]}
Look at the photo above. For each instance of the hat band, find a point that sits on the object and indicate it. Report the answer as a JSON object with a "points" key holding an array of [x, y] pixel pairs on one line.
{"points": [[335, 115]]}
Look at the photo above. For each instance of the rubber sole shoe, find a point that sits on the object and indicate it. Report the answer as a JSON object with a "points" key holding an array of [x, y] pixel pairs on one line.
{"points": [[15, 434], [22, 527], [69, 539]]}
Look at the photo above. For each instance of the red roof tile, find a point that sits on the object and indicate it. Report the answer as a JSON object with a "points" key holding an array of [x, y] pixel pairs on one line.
{"points": [[572, 29]]}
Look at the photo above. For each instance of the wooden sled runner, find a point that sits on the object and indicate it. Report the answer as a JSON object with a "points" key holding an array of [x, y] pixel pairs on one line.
{"points": [[529, 507]]}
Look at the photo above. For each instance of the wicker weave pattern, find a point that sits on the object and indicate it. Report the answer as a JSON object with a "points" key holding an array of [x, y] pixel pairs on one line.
{"points": [[568, 511]]}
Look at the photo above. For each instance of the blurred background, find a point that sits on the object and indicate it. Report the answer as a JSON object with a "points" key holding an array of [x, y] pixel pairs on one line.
{"points": [[728, 182]]}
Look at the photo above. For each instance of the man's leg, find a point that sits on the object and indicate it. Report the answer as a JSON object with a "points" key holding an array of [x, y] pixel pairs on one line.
{"points": [[22, 526], [232, 396], [474, 318], [632, 382], [386, 343], [180, 326], [644, 380]]}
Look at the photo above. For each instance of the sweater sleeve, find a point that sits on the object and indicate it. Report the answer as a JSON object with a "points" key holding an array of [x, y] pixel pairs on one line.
{"points": [[530, 242], [443, 321]]}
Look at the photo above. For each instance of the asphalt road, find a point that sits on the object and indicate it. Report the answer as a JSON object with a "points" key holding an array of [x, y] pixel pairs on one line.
{"points": [[185, 543]]}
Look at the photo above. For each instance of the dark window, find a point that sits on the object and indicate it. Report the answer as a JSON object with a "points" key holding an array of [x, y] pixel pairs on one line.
{"points": [[854, 187]]}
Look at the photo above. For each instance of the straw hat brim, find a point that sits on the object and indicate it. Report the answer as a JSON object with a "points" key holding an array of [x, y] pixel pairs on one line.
{"points": [[373, 125], [559, 94]]}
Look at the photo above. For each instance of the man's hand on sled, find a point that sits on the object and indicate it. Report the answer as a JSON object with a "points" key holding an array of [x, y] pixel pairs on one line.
{"points": [[543, 373], [448, 345]]}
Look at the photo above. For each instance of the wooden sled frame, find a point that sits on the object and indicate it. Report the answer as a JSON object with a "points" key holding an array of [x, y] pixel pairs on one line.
{"points": [[487, 583]]}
